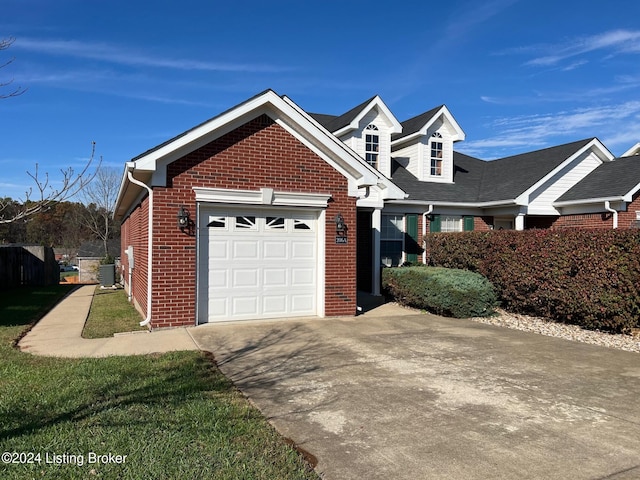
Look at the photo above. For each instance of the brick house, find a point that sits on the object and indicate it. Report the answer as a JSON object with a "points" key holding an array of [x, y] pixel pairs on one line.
{"points": [[267, 211]]}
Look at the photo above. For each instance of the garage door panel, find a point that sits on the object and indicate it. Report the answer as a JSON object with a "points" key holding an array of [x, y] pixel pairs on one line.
{"points": [[302, 303], [274, 304], [302, 250], [244, 306], [274, 277], [261, 264], [245, 249], [302, 276], [245, 278], [275, 249], [218, 250], [219, 278]]}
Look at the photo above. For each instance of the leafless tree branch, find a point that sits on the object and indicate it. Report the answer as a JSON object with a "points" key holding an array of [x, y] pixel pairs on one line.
{"points": [[45, 195], [4, 44]]}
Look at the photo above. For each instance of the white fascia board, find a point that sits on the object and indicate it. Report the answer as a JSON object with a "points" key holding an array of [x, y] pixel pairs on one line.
{"points": [[500, 203], [396, 127], [264, 196], [363, 173], [443, 112], [595, 145], [635, 150], [587, 201], [201, 135]]}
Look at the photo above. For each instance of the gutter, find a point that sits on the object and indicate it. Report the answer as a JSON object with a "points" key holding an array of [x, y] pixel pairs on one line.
{"points": [[424, 231], [607, 207], [130, 169]]}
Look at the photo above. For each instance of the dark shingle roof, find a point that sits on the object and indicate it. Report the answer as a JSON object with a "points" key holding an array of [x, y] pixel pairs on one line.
{"points": [[467, 178], [508, 177], [334, 123], [611, 179], [415, 124], [476, 180]]}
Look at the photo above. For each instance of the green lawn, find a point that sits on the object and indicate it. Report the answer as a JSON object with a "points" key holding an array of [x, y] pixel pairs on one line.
{"points": [[174, 416], [111, 313]]}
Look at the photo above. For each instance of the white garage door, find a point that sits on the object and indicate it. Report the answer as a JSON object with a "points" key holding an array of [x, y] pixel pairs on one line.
{"points": [[257, 264]]}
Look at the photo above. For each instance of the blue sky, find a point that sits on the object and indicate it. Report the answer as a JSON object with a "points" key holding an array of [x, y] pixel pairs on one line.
{"points": [[516, 75]]}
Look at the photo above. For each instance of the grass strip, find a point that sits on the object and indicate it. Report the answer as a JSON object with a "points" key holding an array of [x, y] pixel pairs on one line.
{"points": [[166, 416], [110, 313]]}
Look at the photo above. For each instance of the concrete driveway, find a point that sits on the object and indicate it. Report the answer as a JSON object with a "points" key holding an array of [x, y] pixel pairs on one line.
{"points": [[398, 395]]}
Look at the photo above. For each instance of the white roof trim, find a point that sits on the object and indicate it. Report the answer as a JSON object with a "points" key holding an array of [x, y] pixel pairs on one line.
{"points": [[586, 201], [264, 196], [396, 127], [598, 148], [287, 114], [443, 112], [635, 150]]}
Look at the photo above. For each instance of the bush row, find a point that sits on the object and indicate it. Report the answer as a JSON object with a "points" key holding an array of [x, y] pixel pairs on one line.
{"points": [[585, 277], [449, 292]]}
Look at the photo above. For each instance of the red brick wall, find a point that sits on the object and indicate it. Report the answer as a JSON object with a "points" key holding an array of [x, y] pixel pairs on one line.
{"points": [[258, 154], [482, 224], [134, 232], [628, 219]]}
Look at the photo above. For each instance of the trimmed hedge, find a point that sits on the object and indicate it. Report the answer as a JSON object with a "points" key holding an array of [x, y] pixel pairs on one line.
{"points": [[586, 277], [448, 292]]}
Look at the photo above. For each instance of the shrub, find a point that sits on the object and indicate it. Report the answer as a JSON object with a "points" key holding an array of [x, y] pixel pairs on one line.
{"points": [[587, 277], [444, 291]]}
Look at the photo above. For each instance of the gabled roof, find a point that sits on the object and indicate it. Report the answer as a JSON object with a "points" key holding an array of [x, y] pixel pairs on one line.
{"points": [[467, 177], [510, 177], [635, 150], [615, 180], [339, 125], [418, 125], [491, 182], [334, 123], [150, 167]]}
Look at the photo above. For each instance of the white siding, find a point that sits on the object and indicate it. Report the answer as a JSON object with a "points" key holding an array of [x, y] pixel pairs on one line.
{"points": [[541, 200], [416, 157], [355, 139]]}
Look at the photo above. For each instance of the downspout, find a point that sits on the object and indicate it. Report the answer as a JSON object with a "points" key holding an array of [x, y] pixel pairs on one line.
{"points": [[147, 320], [607, 207], [424, 231]]}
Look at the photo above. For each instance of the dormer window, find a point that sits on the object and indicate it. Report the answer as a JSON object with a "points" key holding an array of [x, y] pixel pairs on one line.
{"points": [[371, 145], [436, 155]]}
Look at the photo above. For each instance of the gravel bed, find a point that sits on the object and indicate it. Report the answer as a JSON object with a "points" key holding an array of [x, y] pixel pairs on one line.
{"points": [[630, 343]]}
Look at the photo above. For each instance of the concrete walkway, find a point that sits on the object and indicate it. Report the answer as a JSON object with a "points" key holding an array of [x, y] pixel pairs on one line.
{"points": [[58, 334]]}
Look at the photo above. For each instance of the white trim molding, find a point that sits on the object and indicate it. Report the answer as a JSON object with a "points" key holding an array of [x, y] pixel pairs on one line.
{"points": [[264, 196]]}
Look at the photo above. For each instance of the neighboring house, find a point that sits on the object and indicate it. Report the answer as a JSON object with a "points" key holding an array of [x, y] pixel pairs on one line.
{"points": [[267, 211], [89, 256]]}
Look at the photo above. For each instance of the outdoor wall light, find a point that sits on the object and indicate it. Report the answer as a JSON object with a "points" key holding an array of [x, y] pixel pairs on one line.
{"points": [[183, 218], [341, 227]]}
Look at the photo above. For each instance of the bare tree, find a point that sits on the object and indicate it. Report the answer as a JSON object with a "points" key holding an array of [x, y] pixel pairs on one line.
{"points": [[71, 184], [44, 194], [100, 197], [4, 44]]}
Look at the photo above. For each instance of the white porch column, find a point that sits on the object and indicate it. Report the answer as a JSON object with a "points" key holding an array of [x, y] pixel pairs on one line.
{"points": [[520, 221], [376, 226]]}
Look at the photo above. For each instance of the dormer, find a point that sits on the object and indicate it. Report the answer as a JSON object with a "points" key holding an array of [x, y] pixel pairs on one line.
{"points": [[425, 146], [366, 129]]}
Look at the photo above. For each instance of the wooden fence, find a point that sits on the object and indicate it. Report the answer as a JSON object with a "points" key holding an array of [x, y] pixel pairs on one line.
{"points": [[32, 265]]}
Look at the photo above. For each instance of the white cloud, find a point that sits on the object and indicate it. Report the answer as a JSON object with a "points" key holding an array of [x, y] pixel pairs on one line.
{"points": [[618, 124], [620, 41], [127, 56]]}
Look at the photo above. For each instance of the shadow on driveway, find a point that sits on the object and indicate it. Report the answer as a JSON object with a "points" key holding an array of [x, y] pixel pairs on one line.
{"points": [[400, 395]]}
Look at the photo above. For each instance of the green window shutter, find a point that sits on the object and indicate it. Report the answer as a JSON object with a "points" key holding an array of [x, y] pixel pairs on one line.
{"points": [[434, 224], [468, 224], [411, 242]]}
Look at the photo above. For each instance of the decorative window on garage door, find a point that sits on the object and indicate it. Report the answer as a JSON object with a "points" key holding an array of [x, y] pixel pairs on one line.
{"points": [[246, 223]]}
